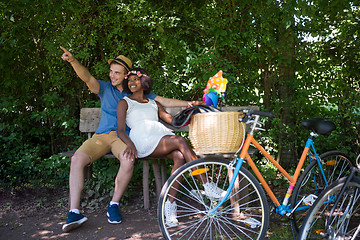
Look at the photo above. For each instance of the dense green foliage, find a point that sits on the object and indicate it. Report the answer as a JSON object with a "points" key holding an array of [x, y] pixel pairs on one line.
{"points": [[299, 59]]}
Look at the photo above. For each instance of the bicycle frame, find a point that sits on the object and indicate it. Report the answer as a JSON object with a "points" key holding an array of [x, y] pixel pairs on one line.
{"points": [[283, 208]]}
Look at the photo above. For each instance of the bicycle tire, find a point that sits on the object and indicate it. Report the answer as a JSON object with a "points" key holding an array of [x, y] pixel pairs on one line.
{"points": [[336, 164], [245, 213], [345, 218]]}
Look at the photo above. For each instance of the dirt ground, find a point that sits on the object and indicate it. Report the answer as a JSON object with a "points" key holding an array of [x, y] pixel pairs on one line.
{"points": [[40, 214]]}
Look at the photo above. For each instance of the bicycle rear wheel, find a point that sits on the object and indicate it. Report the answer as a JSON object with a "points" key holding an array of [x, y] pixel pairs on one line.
{"points": [[345, 221], [244, 215], [335, 164]]}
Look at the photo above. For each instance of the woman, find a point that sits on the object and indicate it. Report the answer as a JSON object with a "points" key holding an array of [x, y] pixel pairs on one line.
{"points": [[149, 137]]}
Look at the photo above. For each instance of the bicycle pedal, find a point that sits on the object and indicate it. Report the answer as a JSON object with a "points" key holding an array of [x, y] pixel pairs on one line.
{"points": [[272, 208], [252, 222], [310, 199]]}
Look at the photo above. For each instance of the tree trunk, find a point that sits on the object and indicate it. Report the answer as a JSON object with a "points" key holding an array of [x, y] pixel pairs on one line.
{"points": [[286, 91]]}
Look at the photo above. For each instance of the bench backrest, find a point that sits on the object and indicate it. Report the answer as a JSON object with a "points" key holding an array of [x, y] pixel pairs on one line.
{"points": [[90, 117]]}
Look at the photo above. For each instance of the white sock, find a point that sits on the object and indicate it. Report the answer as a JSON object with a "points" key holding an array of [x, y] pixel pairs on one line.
{"points": [[75, 210], [116, 203]]}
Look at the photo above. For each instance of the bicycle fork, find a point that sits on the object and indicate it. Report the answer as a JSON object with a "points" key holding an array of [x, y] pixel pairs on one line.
{"points": [[251, 222], [228, 191], [239, 163]]}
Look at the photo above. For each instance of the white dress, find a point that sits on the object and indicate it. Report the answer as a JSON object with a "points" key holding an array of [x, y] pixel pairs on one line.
{"points": [[146, 130]]}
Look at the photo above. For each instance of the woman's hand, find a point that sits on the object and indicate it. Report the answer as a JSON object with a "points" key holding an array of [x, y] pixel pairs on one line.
{"points": [[194, 103], [130, 152]]}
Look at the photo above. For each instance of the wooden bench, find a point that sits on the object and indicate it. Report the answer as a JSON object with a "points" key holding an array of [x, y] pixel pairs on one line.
{"points": [[89, 121]]}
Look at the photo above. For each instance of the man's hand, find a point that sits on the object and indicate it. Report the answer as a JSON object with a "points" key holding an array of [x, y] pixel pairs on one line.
{"points": [[67, 56]]}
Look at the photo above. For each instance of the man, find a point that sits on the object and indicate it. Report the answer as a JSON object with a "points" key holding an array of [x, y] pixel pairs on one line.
{"points": [[105, 138]]}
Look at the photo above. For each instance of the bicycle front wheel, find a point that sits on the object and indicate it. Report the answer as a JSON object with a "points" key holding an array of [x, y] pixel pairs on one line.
{"points": [[244, 214], [345, 219], [311, 182]]}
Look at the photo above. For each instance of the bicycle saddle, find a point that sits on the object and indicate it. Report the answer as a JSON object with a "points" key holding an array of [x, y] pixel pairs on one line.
{"points": [[319, 125], [182, 118]]}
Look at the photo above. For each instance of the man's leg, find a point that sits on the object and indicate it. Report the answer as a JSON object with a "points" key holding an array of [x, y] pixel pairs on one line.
{"points": [[76, 179], [89, 151], [76, 184], [122, 179]]}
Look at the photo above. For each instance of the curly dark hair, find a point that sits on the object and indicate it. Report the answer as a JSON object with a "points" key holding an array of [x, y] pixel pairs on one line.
{"points": [[146, 81]]}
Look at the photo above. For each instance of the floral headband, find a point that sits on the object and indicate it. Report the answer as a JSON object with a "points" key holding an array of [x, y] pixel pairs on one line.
{"points": [[133, 72]]}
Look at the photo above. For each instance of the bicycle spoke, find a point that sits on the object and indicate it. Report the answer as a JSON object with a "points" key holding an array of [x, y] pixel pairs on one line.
{"points": [[241, 216], [335, 165], [344, 220]]}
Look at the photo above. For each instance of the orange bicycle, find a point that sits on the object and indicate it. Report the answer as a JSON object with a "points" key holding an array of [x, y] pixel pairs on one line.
{"points": [[242, 211]]}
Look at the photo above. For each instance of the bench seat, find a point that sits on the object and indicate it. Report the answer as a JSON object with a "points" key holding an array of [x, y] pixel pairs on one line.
{"points": [[89, 121]]}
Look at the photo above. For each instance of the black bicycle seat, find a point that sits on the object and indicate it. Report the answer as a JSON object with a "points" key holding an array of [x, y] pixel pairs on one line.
{"points": [[319, 125], [182, 118]]}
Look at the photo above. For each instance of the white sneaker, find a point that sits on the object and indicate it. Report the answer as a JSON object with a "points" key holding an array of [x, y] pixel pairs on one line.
{"points": [[198, 194], [213, 192], [170, 214]]}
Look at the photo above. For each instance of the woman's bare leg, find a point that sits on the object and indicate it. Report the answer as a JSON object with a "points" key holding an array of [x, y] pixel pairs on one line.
{"points": [[179, 160], [178, 149], [172, 143]]}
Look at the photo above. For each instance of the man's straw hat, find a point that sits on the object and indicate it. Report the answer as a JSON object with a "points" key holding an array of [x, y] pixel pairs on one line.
{"points": [[122, 60]]}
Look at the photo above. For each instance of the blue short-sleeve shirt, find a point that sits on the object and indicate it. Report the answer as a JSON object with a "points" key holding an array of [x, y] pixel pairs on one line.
{"points": [[109, 97]]}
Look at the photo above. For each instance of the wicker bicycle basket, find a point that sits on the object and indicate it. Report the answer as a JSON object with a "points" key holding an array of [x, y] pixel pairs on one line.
{"points": [[216, 132]]}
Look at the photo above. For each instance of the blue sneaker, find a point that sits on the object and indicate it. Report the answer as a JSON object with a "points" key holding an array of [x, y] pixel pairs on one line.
{"points": [[74, 220], [113, 213]]}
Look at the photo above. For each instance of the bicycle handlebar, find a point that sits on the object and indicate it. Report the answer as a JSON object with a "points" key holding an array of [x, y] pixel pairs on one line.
{"points": [[260, 113]]}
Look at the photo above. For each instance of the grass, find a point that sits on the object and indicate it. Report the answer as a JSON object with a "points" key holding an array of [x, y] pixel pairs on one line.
{"points": [[279, 228]]}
